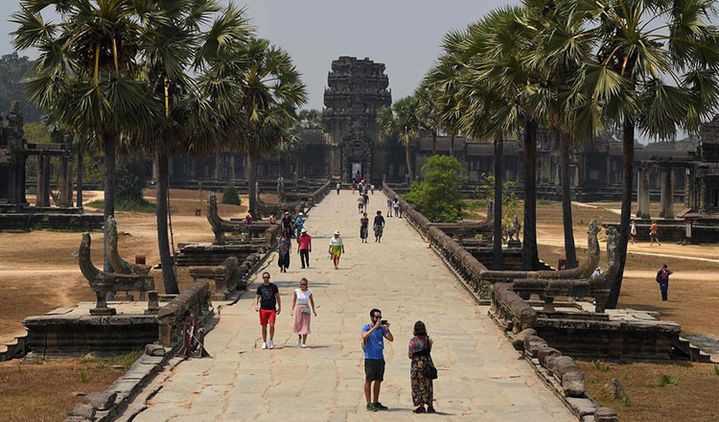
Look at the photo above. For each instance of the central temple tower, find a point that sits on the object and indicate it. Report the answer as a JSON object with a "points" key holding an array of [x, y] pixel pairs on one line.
{"points": [[357, 89]]}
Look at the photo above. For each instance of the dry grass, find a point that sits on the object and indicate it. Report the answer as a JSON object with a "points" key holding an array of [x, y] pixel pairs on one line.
{"points": [[44, 392], [657, 391]]}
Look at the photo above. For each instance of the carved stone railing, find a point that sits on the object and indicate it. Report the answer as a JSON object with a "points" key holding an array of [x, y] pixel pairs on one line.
{"points": [[509, 307], [597, 287], [225, 278], [192, 303], [103, 283], [119, 265], [583, 271]]}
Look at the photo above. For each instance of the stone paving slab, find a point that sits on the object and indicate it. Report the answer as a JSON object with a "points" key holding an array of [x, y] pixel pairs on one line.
{"points": [[480, 376]]}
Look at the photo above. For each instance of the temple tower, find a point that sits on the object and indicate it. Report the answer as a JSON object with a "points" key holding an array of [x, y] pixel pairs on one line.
{"points": [[357, 89]]}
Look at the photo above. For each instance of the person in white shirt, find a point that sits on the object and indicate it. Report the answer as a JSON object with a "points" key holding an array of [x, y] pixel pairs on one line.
{"points": [[302, 304], [337, 248]]}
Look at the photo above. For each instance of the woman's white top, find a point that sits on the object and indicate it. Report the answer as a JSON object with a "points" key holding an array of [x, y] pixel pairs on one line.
{"points": [[303, 297], [336, 241]]}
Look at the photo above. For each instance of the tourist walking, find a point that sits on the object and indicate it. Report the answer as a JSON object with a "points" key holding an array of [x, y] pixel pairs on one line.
{"points": [[284, 245], [389, 207], [360, 204], [338, 186], [653, 234], [268, 304], [249, 218], [633, 231], [378, 227], [371, 189], [299, 224], [395, 208], [287, 223], [366, 199], [373, 336], [304, 247], [364, 228], [663, 280], [420, 347], [337, 248], [271, 219], [302, 304]]}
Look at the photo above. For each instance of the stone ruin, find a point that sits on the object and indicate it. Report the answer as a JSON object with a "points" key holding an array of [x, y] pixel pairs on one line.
{"points": [[16, 214]]}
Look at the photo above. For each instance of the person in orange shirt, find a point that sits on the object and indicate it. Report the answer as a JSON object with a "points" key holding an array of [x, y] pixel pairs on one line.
{"points": [[653, 234]]}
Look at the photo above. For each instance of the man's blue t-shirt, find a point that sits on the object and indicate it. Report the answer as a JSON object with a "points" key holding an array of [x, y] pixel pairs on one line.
{"points": [[374, 344]]}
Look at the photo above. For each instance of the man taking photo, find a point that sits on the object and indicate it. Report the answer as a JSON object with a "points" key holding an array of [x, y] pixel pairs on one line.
{"points": [[373, 336]]}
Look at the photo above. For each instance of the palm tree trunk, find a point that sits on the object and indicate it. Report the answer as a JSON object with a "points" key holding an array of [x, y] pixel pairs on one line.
{"points": [[570, 250], [434, 141], [498, 187], [625, 218], [252, 181], [109, 151], [163, 240], [408, 159], [530, 255], [80, 169]]}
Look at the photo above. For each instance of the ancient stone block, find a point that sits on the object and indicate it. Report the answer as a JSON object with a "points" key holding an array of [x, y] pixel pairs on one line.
{"points": [[519, 338], [154, 350], [605, 414], [532, 345]]}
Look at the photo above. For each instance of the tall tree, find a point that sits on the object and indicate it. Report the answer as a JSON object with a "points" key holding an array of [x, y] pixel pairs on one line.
{"points": [[655, 71], [86, 76], [259, 90], [428, 111], [401, 121], [173, 35]]}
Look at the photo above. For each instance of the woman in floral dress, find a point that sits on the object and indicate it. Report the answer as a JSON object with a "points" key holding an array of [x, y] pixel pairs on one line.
{"points": [[420, 347]]}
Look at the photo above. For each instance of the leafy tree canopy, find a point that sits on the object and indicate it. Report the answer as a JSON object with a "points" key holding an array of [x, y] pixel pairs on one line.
{"points": [[310, 119], [14, 70], [437, 196]]}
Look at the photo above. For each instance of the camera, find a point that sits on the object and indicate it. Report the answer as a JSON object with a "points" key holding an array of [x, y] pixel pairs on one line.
{"points": [[384, 322]]}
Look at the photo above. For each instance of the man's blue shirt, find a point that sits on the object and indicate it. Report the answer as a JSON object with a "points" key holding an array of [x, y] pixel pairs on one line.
{"points": [[374, 344]]}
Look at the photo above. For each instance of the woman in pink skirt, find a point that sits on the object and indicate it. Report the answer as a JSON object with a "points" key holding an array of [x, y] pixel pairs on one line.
{"points": [[302, 305]]}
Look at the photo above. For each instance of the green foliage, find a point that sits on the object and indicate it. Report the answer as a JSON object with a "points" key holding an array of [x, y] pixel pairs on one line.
{"points": [[230, 196], [437, 196], [132, 174], [716, 370], [511, 204], [38, 133], [85, 377], [14, 69], [600, 366], [665, 380], [144, 207], [310, 119]]}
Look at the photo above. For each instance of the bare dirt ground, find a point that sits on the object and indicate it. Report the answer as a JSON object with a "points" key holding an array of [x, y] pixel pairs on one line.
{"points": [[38, 272]]}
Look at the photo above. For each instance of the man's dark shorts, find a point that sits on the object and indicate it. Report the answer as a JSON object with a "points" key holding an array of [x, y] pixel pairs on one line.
{"points": [[374, 369]]}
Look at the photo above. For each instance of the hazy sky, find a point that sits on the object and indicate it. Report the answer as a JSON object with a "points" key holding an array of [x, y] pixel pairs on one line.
{"points": [[403, 34]]}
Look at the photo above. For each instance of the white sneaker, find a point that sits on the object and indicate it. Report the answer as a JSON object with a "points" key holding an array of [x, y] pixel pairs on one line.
{"points": [[270, 345], [264, 346], [304, 346]]}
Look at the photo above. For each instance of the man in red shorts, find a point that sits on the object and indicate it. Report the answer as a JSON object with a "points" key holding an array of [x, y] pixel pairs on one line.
{"points": [[268, 304]]}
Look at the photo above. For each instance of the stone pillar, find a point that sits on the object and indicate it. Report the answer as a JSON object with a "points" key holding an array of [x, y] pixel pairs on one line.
{"points": [[643, 192], [65, 182], [43, 181], [667, 192], [336, 161]]}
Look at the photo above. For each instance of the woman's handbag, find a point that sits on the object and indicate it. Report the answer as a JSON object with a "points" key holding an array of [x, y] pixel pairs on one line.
{"points": [[430, 371]]}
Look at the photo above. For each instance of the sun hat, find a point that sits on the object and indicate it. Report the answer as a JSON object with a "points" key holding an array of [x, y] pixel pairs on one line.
{"points": [[303, 231], [337, 232]]}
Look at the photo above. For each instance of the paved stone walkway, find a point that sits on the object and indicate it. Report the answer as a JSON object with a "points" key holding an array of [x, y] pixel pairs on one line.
{"points": [[480, 375]]}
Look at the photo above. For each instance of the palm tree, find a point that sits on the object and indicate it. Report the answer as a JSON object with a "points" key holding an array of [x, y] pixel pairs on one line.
{"points": [[259, 90], [86, 76], [401, 120], [428, 110], [172, 36], [655, 71], [444, 81]]}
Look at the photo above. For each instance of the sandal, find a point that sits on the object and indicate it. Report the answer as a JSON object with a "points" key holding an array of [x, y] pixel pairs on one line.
{"points": [[419, 410], [430, 409]]}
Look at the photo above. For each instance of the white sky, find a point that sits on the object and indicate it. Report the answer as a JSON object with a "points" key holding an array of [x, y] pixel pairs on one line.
{"points": [[403, 34]]}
